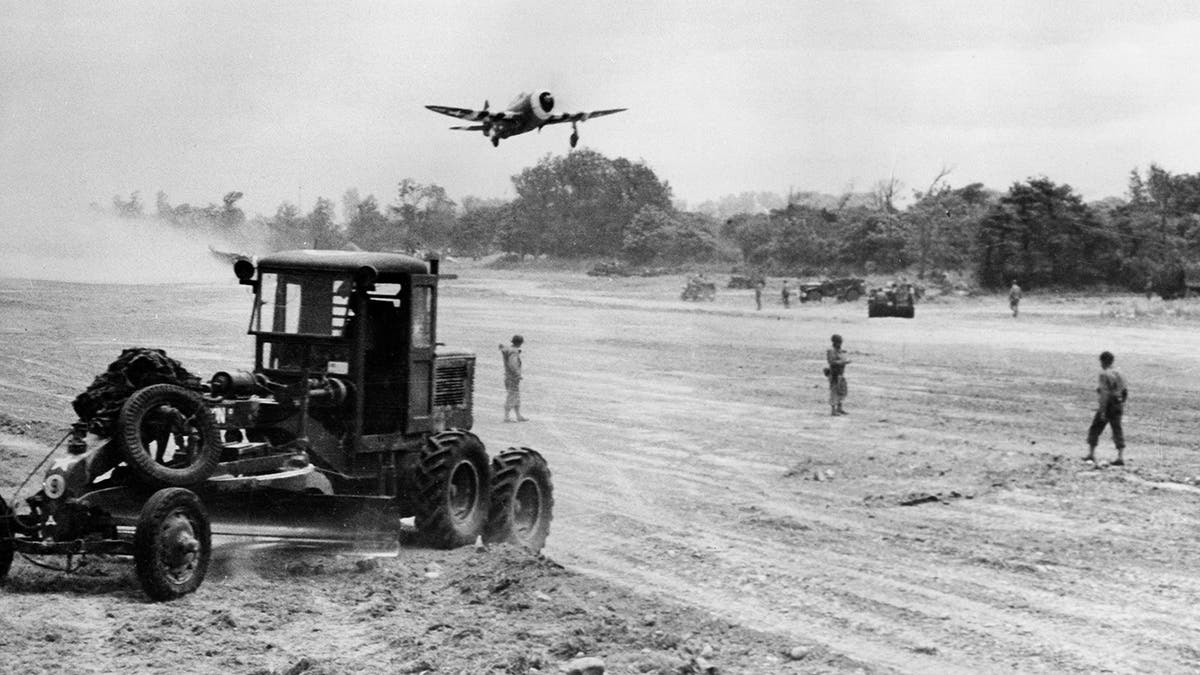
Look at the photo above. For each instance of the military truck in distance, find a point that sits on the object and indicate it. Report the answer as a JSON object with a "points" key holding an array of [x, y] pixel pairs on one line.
{"points": [[745, 281], [895, 300], [352, 418], [699, 288], [1173, 282], [845, 289]]}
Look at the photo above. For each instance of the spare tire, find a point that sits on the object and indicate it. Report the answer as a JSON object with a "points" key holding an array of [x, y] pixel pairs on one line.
{"points": [[168, 436]]}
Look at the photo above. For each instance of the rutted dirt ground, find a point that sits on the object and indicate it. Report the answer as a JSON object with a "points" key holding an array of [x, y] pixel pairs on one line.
{"points": [[709, 510]]}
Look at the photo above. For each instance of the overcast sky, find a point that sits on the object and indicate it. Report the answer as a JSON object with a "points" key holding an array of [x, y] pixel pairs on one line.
{"points": [[291, 101]]}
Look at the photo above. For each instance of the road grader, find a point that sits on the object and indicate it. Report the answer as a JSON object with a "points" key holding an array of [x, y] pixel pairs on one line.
{"points": [[353, 418]]}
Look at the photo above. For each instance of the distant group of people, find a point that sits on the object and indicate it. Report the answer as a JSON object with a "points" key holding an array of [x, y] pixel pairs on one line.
{"points": [[1111, 390], [1110, 408]]}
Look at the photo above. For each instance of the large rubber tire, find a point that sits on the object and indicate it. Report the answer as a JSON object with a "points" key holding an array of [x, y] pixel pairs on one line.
{"points": [[6, 540], [872, 310], [172, 544], [163, 414], [522, 499], [907, 312], [453, 485], [851, 295]]}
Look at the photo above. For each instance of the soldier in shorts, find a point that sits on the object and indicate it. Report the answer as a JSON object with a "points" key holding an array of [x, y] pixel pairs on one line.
{"points": [[512, 378], [836, 371]]}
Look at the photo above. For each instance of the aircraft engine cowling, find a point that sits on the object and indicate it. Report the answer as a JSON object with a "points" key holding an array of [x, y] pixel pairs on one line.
{"points": [[541, 103]]}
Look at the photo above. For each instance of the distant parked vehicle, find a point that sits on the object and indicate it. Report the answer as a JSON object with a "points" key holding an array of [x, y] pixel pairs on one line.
{"points": [[746, 281], [609, 269], [897, 300], [699, 288], [845, 289]]}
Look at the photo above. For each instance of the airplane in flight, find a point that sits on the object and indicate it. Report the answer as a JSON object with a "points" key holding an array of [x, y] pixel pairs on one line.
{"points": [[526, 113]]}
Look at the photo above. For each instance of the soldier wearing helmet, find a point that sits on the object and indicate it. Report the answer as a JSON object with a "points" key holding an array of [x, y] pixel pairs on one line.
{"points": [[836, 372], [512, 379]]}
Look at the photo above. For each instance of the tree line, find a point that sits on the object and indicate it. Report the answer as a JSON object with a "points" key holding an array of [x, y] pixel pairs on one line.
{"points": [[586, 205]]}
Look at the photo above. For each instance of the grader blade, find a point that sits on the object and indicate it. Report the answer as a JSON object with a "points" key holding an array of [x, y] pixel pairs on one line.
{"points": [[275, 514]]}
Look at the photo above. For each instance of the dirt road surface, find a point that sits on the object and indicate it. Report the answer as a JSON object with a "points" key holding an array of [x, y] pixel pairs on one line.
{"points": [[709, 510]]}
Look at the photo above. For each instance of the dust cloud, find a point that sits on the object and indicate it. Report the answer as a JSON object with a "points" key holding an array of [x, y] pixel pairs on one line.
{"points": [[97, 248]]}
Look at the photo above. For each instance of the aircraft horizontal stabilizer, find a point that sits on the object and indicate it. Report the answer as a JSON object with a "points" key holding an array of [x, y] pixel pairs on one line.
{"points": [[473, 127]]}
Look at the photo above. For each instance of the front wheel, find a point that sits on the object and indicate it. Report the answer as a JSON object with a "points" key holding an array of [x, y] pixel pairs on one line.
{"points": [[6, 540], [172, 544], [453, 483], [522, 499], [851, 295]]}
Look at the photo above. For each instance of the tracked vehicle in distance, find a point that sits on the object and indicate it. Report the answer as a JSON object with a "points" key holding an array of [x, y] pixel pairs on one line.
{"points": [[352, 418]]}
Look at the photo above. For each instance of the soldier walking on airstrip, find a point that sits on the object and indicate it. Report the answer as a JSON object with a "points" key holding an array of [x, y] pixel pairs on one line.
{"points": [[1014, 297], [758, 289], [512, 378], [1111, 406], [787, 295], [836, 372]]}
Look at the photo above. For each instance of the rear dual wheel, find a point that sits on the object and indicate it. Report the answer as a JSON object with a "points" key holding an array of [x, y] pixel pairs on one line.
{"points": [[522, 499]]}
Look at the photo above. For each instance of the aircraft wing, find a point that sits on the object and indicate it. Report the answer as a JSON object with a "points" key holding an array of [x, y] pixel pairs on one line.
{"points": [[473, 127], [581, 117], [471, 115], [461, 113]]}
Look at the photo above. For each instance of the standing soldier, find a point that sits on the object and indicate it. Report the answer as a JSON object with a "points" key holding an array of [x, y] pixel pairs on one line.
{"points": [[1014, 297], [837, 375], [1111, 406], [787, 295], [512, 378], [758, 289]]}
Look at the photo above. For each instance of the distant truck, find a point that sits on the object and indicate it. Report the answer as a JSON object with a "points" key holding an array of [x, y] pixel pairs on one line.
{"points": [[699, 288], [845, 289], [895, 300], [1172, 283], [609, 269], [745, 281]]}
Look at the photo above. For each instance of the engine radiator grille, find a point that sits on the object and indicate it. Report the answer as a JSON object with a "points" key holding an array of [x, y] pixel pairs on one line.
{"points": [[451, 383]]}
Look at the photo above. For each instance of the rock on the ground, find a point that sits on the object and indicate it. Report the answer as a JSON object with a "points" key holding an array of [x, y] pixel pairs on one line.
{"points": [[588, 665]]}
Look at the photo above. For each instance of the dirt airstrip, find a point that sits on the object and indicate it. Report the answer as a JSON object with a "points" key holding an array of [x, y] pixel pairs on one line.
{"points": [[711, 514]]}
